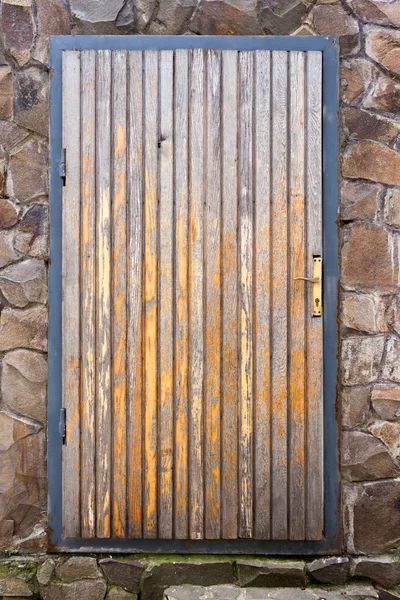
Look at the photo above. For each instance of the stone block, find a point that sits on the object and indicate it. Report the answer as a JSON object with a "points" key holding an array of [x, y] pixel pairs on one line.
{"points": [[32, 234], [355, 75], [88, 589], [366, 458], [332, 19], [52, 19], [383, 94], [18, 29], [355, 407], [28, 171], [334, 570], [31, 100], [24, 282], [143, 11], [359, 200], [391, 367], [373, 161], [361, 358], [172, 17], [266, 573], [223, 18], [96, 11], [283, 18], [26, 328], [364, 313], [8, 214], [196, 592], [6, 93], [376, 11], [11, 134], [386, 401], [46, 571], [14, 587], [118, 593], [124, 573], [384, 570], [8, 253], [364, 125], [392, 207], [383, 46], [78, 567], [389, 434]]}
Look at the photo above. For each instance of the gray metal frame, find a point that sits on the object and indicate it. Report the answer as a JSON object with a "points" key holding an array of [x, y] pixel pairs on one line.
{"points": [[330, 51]]}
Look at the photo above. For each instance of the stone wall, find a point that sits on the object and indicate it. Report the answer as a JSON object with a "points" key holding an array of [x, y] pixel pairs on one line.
{"points": [[369, 222]]}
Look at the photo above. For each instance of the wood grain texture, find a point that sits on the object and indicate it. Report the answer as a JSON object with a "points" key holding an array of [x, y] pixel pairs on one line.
{"points": [[297, 298], [103, 294], [166, 346], [119, 274], [315, 510], [212, 240], [71, 295], [262, 291], [246, 89], [88, 299], [196, 294], [150, 292], [229, 390], [181, 146], [279, 373], [135, 294]]}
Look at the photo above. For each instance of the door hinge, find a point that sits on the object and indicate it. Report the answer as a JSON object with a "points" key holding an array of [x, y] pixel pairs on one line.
{"points": [[62, 425], [63, 165]]}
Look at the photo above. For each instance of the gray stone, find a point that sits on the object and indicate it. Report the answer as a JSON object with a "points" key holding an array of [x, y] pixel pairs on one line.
{"points": [[383, 94], [282, 17], [125, 573], [28, 171], [332, 19], [95, 11], [6, 93], [355, 407], [118, 593], [172, 17], [391, 367], [361, 358], [384, 570], [364, 125], [52, 19], [364, 313], [359, 200], [24, 282], [18, 29], [366, 458], [393, 313], [45, 572], [11, 134], [372, 161], [89, 589], [14, 587], [31, 100], [143, 10], [23, 328], [333, 570], [158, 577], [78, 567], [356, 75], [359, 592], [217, 17], [392, 207], [386, 401], [196, 592], [376, 11], [266, 573], [8, 253]]}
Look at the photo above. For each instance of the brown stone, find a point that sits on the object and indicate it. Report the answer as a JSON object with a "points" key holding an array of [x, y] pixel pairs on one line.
{"points": [[355, 75], [355, 407], [78, 567], [333, 570], [365, 458], [376, 11], [6, 93], [23, 383], [267, 573], [392, 207], [363, 125], [376, 517], [31, 100], [11, 134], [393, 313], [24, 282], [88, 589], [389, 434], [125, 573], [96, 11], [118, 593], [14, 428], [386, 401], [143, 10], [23, 328], [373, 161], [18, 29], [15, 586], [332, 19], [391, 367], [383, 46], [28, 170], [172, 17], [8, 214], [7, 251], [364, 313], [32, 233], [359, 200], [383, 95], [369, 258], [6, 532], [52, 19], [30, 456], [361, 358], [216, 17], [282, 17]]}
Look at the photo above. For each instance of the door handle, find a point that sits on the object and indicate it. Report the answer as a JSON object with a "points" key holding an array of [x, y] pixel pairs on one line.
{"points": [[316, 280]]}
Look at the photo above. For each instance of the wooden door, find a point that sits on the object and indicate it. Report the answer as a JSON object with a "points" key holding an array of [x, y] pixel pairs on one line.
{"points": [[192, 362]]}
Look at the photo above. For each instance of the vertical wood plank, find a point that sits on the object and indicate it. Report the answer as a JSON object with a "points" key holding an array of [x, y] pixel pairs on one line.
{"points": [[166, 349], [196, 294], [71, 294], [212, 234], [229, 392], [88, 298], [315, 509], [150, 292], [103, 293], [279, 375], [181, 133], [297, 299], [119, 273], [246, 293], [262, 316], [135, 295]]}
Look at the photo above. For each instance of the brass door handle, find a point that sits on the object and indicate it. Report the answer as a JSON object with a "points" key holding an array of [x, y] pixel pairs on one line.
{"points": [[310, 279], [317, 287]]}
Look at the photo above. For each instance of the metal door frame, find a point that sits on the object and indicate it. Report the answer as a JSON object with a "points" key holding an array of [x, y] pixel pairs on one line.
{"points": [[330, 94]]}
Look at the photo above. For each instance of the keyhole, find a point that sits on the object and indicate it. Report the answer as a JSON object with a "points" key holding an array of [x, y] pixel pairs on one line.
{"points": [[317, 302]]}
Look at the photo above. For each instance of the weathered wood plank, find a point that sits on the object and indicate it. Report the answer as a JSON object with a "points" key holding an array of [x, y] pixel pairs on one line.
{"points": [[315, 511], [262, 287], [229, 391], [150, 292], [246, 86], [166, 348], [71, 294], [103, 298], [88, 298], [181, 132], [279, 374], [196, 294], [212, 236], [135, 294], [297, 298], [119, 274]]}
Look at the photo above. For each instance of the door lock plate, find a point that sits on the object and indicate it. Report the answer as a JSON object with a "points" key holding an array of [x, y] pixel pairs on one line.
{"points": [[317, 286]]}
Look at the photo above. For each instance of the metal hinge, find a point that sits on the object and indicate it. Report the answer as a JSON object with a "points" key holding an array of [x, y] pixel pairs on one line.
{"points": [[62, 425], [316, 280], [63, 165]]}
